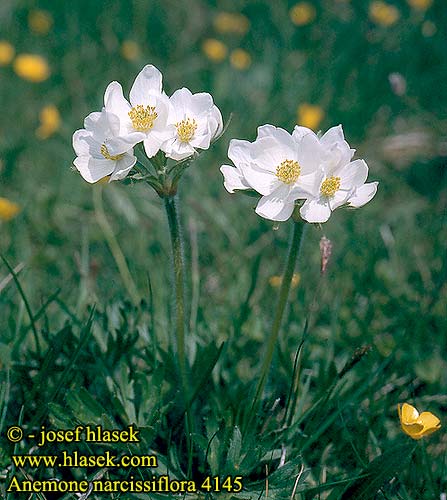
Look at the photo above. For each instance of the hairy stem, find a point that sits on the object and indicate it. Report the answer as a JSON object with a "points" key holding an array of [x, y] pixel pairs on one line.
{"points": [[177, 254], [170, 203]]}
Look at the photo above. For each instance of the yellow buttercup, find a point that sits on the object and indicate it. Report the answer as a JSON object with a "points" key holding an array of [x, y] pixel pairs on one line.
{"points": [[415, 424]]}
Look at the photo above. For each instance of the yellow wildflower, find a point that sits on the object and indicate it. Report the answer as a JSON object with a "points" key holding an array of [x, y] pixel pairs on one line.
{"points": [[214, 49], [302, 13], [50, 121], [32, 67], [40, 21], [420, 4], [6, 52], [8, 209], [429, 29], [383, 14], [240, 59], [130, 50], [415, 424], [228, 22], [275, 281], [309, 115]]}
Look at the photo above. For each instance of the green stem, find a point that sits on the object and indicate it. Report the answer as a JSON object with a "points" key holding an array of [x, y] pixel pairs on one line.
{"points": [[177, 253], [294, 247], [170, 203]]}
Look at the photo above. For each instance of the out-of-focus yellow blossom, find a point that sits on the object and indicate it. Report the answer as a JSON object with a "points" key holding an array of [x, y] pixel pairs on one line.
{"points": [[40, 21], [429, 29], [8, 209], [240, 59], [309, 115], [302, 13], [50, 121], [415, 424], [130, 50], [214, 49], [32, 67], [420, 4], [229, 22], [6, 52], [383, 14], [275, 281]]}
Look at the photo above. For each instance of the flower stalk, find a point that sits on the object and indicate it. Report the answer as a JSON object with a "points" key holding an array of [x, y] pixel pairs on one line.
{"points": [[170, 203], [294, 248]]}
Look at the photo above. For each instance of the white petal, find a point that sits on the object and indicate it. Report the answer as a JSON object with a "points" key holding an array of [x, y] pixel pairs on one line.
{"points": [[233, 178], [299, 132], [81, 142], [268, 153], [276, 206], [163, 109], [201, 102], [353, 175], [215, 122], [118, 145], [123, 167], [152, 144], [309, 154], [315, 210], [180, 150], [239, 152], [283, 138], [115, 102], [93, 169], [147, 82], [333, 135], [261, 180], [339, 198], [96, 122], [265, 131], [202, 136], [308, 185], [363, 194], [181, 103]]}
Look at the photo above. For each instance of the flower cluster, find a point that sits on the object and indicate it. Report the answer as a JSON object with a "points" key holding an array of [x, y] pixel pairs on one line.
{"points": [[176, 125], [284, 168]]}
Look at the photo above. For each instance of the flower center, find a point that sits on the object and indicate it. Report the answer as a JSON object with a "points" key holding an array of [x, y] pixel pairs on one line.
{"points": [[143, 117], [108, 156], [330, 186], [186, 129], [288, 172]]}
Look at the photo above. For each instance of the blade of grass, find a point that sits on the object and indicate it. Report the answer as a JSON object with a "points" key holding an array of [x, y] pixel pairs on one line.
{"points": [[25, 301]]}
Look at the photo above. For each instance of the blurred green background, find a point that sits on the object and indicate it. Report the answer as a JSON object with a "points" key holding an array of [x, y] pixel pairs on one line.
{"points": [[378, 68]]}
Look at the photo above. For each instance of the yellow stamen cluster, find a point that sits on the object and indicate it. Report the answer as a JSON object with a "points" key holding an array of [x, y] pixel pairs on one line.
{"points": [[288, 172], [108, 156], [186, 129], [143, 117], [330, 186]]}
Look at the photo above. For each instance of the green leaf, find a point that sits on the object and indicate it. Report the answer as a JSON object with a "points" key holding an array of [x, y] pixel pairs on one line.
{"points": [[86, 409], [378, 472]]}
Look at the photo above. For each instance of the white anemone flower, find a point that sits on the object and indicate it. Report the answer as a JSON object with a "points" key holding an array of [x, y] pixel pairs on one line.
{"points": [[145, 117], [343, 181], [99, 149], [195, 121], [281, 167]]}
